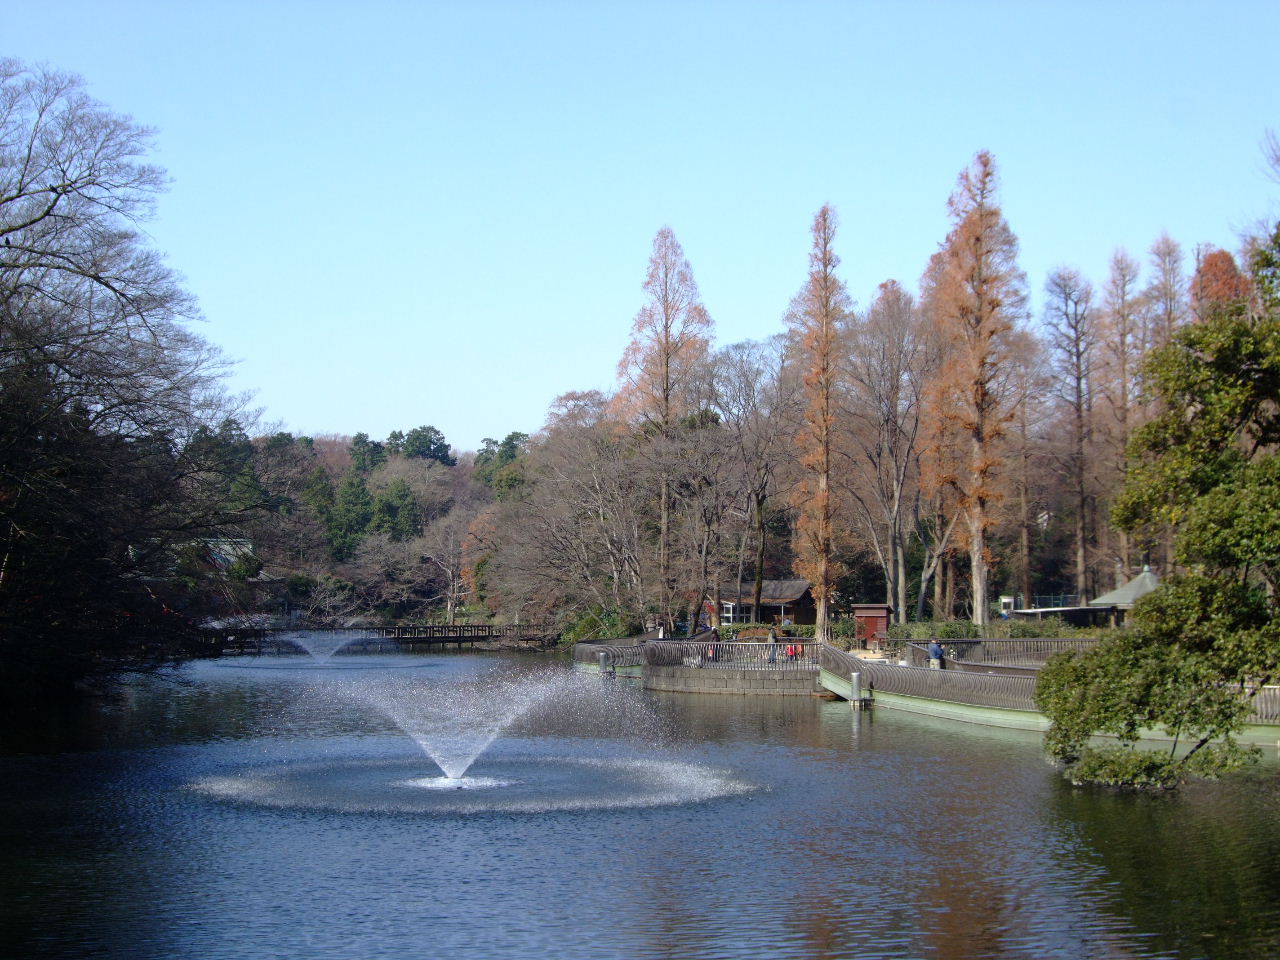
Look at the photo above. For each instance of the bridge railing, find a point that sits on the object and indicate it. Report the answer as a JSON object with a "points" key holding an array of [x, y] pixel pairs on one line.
{"points": [[786, 654], [1000, 682], [1030, 652], [1266, 705], [615, 653], [252, 639], [397, 631], [953, 686], [839, 662]]}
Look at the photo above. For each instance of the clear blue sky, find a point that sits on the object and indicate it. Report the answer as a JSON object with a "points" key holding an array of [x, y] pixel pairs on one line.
{"points": [[402, 213]]}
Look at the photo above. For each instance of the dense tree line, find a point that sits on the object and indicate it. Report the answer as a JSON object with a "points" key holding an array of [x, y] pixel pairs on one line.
{"points": [[368, 528], [1205, 466], [112, 466], [135, 502], [932, 449]]}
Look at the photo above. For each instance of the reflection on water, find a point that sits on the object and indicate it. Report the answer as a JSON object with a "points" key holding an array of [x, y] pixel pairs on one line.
{"points": [[247, 811], [1208, 886]]}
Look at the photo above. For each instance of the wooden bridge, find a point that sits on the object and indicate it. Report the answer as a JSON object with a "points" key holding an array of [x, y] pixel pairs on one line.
{"points": [[234, 641]]}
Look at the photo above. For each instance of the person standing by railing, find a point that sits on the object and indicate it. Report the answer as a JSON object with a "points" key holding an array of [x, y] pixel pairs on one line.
{"points": [[936, 655]]}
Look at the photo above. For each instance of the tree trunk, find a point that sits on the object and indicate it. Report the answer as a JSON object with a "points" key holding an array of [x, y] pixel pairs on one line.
{"points": [[949, 589], [978, 569], [757, 593]]}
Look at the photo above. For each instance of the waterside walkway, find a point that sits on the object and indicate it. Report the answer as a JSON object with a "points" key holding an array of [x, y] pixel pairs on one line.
{"points": [[989, 682]]}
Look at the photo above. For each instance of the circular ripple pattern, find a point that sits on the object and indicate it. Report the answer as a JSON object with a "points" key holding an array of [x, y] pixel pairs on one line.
{"points": [[507, 785]]}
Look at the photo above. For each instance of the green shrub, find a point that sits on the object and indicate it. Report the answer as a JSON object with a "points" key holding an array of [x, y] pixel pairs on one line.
{"points": [[1015, 629], [600, 624], [730, 631], [244, 568], [1125, 766]]}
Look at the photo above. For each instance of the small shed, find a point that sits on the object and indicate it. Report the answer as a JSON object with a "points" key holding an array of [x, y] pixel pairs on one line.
{"points": [[873, 623]]}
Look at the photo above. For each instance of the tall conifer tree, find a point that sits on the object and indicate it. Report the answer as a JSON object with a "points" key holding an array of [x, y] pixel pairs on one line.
{"points": [[977, 299], [822, 309]]}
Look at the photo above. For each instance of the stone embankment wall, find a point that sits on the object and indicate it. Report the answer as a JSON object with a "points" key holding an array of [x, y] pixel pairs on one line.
{"points": [[721, 680]]}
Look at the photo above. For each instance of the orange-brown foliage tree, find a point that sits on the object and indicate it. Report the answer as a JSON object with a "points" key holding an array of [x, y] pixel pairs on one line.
{"points": [[1217, 283], [977, 299], [816, 319]]}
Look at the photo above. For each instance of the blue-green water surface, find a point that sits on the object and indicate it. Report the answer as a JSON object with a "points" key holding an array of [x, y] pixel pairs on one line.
{"points": [[263, 809]]}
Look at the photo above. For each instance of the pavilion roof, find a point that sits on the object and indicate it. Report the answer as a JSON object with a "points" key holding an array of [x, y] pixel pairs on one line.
{"points": [[772, 592], [1126, 595]]}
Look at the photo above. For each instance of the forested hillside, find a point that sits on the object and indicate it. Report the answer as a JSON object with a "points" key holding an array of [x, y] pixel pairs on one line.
{"points": [[930, 442]]}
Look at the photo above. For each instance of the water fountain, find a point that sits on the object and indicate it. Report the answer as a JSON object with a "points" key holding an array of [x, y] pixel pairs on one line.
{"points": [[465, 726], [454, 723], [321, 645]]}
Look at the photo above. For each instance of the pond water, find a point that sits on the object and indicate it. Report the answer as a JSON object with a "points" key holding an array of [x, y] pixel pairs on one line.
{"points": [[270, 808]]}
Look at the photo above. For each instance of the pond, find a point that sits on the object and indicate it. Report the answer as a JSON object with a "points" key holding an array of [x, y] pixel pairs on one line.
{"points": [[279, 808]]}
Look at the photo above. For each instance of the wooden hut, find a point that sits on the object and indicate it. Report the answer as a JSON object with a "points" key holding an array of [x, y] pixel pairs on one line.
{"points": [[782, 602]]}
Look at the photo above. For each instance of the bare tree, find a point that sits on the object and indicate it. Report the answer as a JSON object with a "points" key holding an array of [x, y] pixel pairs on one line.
{"points": [[888, 361], [443, 548], [1271, 154], [1120, 345], [104, 387], [757, 405], [1026, 454], [573, 536], [708, 486], [1167, 310], [1073, 343], [1166, 294], [670, 341], [79, 289]]}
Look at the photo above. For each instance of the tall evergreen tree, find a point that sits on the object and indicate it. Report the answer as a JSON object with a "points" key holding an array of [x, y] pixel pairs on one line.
{"points": [[427, 443], [350, 516]]}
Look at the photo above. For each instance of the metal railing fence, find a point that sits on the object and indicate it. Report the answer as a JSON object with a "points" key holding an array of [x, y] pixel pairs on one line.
{"points": [[787, 654], [969, 682], [1266, 705], [613, 654], [1032, 652], [953, 686], [840, 662]]}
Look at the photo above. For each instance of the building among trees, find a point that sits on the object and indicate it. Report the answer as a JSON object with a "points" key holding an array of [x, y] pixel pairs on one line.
{"points": [[781, 602]]}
